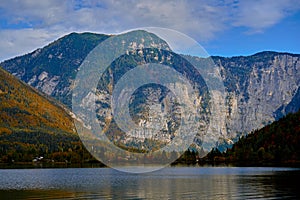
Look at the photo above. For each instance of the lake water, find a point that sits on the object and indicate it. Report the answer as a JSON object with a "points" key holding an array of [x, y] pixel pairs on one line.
{"points": [[168, 183]]}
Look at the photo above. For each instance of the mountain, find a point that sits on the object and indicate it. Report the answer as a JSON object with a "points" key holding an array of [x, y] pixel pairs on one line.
{"points": [[259, 89], [277, 143], [53, 68], [33, 124]]}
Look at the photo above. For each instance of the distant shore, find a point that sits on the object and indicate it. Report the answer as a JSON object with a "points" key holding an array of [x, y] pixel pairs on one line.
{"points": [[33, 165]]}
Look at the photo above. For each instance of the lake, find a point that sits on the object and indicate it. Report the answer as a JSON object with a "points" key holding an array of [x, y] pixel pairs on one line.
{"points": [[168, 183]]}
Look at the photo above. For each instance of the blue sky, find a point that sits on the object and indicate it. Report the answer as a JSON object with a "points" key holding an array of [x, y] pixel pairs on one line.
{"points": [[222, 27]]}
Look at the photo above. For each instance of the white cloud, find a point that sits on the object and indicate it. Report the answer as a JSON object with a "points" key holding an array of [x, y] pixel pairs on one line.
{"points": [[261, 14], [44, 21], [18, 42], [41, 13]]}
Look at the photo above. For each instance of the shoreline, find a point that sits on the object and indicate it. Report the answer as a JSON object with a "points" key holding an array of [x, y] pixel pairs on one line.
{"points": [[57, 165]]}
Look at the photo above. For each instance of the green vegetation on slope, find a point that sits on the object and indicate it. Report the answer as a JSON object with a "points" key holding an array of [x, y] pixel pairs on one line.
{"points": [[275, 144]]}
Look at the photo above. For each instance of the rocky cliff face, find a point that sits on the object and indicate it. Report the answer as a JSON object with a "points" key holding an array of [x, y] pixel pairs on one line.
{"points": [[154, 108], [259, 88]]}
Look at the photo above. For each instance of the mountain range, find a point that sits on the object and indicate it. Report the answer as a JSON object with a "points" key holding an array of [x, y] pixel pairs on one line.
{"points": [[259, 89]]}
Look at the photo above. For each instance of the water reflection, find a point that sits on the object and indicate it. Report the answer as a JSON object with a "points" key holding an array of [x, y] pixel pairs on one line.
{"points": [[169, 183]]}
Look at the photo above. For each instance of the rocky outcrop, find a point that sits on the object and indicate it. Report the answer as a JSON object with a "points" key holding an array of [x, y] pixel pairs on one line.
{"points": [[260, 89]]}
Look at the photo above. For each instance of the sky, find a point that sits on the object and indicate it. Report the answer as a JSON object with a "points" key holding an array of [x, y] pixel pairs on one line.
{"points": [[222, 27]]}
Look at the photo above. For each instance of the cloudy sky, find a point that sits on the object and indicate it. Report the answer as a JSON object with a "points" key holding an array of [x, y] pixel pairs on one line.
{"points": [[222, 27]]}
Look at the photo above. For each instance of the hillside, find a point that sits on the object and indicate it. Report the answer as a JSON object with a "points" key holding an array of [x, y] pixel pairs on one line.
{"points": [[24, 109], [276, 144], [31, 125]]}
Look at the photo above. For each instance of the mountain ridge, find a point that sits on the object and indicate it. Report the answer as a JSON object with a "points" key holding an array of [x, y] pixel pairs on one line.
{"points": [[259, 53], [260, 88]]}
